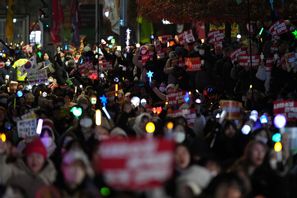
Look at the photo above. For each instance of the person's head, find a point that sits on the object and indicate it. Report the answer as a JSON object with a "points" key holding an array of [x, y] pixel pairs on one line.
{"points": [[170, 88], [182, 157], [29, 98], [255, 152], [45, 57], [230, 129], [262, 135], [35, 155], [227, 185], [47, 136], [84, 102], [101, 133], [75, 167], [179, 133], [119, 133]]}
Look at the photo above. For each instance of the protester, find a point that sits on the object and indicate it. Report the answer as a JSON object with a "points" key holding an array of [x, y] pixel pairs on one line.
{"points": [[171, 118]]}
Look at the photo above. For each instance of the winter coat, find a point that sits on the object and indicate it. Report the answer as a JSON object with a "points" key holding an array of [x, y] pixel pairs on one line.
{"points": [[19, 175]]}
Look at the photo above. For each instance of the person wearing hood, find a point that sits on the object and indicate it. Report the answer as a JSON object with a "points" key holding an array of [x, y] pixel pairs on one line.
{"points": [[77, 174], [48, 136], [29, 173], [140, 123], [7, 72]]}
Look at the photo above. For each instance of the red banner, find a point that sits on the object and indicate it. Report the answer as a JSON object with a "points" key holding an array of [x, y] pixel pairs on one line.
{"points": [[232, 109], [136, 164], [58, 17], [287, 108], [193, 64], [188, 114], [200, 29], [175, 98]]}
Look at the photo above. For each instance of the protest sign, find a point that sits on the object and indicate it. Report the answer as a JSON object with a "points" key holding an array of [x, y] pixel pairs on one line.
{"points": [[193, 64], [136, 164], [186, 37], [175, 98], [37, 77], [232, 109], [287, 108], [188, 114], [244, 60], [234, 55], [26, 128], [216, 36], [278, 28]]}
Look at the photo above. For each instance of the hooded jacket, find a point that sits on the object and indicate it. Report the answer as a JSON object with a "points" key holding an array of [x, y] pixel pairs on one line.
{"points": [[18, 174]]}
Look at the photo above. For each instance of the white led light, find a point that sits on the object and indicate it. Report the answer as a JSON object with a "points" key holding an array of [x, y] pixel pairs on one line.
{"points": [[246, 129], [279, 121]]}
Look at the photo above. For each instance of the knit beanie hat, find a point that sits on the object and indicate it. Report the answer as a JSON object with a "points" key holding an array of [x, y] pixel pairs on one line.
{"points": [[35, 146]]}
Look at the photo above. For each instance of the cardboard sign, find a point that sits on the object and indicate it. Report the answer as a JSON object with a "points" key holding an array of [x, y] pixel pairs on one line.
{"points": [[278, 28], [175, 98], [37, 77], [26, 128], [136, 164], [287, 108], [188, 114], [193, 64], [232, 109]]}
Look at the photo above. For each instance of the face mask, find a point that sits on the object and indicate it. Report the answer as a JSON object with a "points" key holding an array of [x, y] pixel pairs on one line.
{"points": [[201, 52], [196, 49], [7, 63], [47, 141], [273, 164], [86, 122], [74, 175], [84, 106], [179, 137], [162, 89]]}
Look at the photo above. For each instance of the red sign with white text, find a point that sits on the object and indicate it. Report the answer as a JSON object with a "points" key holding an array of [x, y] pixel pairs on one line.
{"points": [[193, 64], [136, 164], [287, 108], [175, 98], [188, 114]]}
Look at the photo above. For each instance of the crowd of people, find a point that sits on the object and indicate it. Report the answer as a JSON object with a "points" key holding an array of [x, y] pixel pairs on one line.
{"points": [[213, 155]]}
